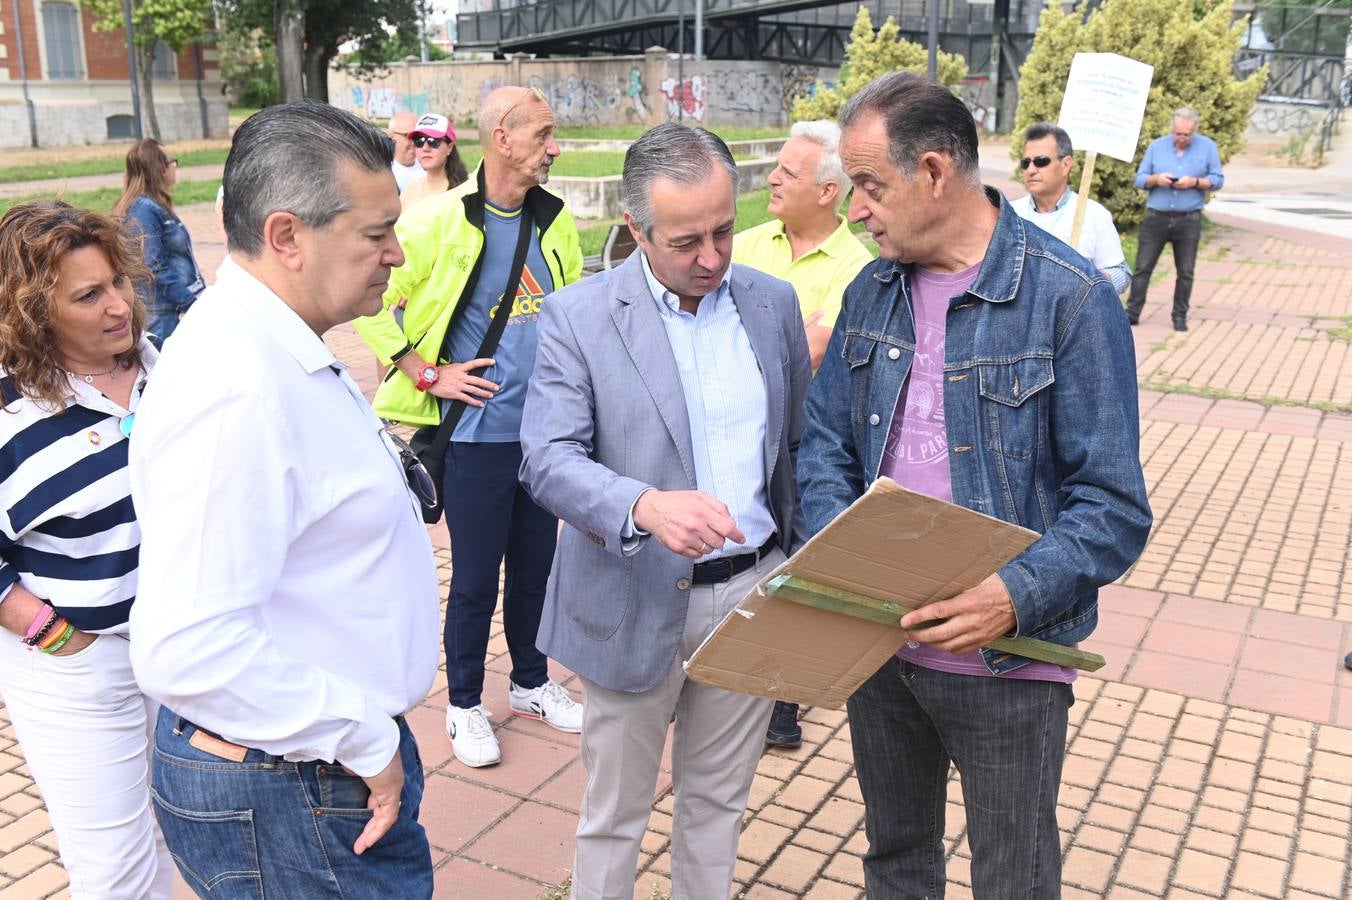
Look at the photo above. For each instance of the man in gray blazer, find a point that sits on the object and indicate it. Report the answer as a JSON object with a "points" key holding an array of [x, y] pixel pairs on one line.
{"points": [[662, 426]]}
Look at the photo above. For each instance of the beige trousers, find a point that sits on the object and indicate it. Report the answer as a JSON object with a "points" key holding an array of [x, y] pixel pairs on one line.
{"points": [[719, 736]]}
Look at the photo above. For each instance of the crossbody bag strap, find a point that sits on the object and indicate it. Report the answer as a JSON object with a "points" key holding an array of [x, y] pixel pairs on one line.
{"points": [[495, 329]]}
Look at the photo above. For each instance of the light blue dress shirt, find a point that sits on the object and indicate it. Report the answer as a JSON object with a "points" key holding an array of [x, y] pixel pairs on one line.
{"points": [[725, 398], [1200, 160]]}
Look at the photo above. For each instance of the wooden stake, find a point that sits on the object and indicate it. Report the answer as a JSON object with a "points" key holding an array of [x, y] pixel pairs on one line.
{"points": [[1085, 178], [889, 612]]}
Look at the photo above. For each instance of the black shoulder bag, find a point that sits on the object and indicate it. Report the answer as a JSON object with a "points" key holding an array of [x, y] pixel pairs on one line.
{"points": [[429, 442]]}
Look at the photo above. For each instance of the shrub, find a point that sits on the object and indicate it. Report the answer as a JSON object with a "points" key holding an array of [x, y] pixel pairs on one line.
{"points": [[868, 55], [1191, 49]]}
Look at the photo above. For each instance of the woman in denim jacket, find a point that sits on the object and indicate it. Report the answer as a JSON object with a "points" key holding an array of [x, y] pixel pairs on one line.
{"points": [[148, 207]]}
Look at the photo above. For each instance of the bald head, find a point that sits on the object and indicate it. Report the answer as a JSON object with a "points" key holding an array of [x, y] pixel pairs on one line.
{"points": [[516, 129], [400, 125]]}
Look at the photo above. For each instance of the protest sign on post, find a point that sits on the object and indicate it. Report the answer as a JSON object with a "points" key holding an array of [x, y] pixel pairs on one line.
{"points": [[1102, 111]]}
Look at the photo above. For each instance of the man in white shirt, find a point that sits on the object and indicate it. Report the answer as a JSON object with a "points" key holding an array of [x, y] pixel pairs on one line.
{"points": [[1047, 160], [404, 166], [287, 582]]}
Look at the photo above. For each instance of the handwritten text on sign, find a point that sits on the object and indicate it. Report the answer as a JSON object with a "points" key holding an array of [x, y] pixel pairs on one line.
{"points": [[1104, 103]]}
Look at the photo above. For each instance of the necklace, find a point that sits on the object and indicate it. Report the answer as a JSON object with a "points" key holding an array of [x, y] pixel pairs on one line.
{"points": [[89, 379]]}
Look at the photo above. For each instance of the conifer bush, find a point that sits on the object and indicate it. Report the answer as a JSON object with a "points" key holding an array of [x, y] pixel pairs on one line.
{"points": [[1191, 46], [869, 54]]}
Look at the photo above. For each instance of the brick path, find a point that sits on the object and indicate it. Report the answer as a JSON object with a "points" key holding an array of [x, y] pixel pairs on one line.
{"points": [[1212, 757]]}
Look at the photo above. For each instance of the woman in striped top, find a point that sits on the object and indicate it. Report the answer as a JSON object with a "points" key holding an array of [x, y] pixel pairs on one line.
{"points": [[73, 362]]}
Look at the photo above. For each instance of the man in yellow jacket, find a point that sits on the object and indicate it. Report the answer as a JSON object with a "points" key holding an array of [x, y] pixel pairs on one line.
{"points": [[460, 249]]}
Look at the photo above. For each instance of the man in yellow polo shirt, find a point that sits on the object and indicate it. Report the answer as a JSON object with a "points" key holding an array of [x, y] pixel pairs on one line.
{"points": [[809, 245], [808, 242]]}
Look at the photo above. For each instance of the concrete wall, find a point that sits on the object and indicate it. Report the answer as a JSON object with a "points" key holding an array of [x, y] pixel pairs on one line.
{"points": [[76, 112], [1271, 120], [617, 90]]}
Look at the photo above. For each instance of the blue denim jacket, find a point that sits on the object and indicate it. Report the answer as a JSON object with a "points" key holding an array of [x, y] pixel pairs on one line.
{"points": [[1041, 409], [168, 250]]}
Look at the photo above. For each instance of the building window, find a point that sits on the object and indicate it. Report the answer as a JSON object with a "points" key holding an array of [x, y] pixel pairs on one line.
{"points": [[61, 29], [164, 67]]}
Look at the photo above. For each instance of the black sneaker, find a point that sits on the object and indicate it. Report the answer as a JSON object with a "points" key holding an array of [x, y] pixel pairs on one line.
{"points": [[1134, 320], [1347, 660], [1180, 324], [784, 730]]}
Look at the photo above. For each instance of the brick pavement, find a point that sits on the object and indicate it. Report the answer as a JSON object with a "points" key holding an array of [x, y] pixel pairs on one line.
{"points": [[1212, 757]]}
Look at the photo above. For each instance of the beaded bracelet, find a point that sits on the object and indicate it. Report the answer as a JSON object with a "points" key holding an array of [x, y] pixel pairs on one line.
{"points": [[62, 638], [45, 631]]}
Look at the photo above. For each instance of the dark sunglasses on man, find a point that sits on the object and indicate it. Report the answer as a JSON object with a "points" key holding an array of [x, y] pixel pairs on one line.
{"points": [[422, 140], [1041, 162]]}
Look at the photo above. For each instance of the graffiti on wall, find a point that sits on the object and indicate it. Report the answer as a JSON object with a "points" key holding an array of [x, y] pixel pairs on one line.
{"points": [[795, 82], [1268, 118], [580, 99], [685, 99], [637, 110]]}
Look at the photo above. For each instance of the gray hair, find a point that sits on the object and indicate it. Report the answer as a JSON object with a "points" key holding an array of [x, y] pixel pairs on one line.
{"points": [[676, 152], [286, 158], [920, 116], [825, 134], [1040, 130], [1186, 112]]}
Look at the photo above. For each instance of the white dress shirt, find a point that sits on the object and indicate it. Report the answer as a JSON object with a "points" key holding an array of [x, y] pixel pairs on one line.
{"points": [[725, 399], [288, 593]]}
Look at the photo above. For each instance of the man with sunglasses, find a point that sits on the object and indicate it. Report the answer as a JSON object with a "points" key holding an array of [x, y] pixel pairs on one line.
{"points": [[1177, 171], [461, 249], [1047, 160]]}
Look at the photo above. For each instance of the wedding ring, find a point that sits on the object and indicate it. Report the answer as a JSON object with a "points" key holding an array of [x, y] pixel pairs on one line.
{"points": [[703, 547]]}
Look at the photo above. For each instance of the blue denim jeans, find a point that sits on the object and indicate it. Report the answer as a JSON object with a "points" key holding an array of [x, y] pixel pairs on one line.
{"points": [[1008, 740], [282, 830]]}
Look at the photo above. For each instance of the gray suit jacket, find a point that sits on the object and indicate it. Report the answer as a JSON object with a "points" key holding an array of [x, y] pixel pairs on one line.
{"points": [[605, 417]]}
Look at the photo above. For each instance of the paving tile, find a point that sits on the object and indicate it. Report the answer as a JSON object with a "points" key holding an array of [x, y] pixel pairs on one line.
{"points": [[463, 879], [1179, 673], [1277, 693], [534, 841], [1294, 660]]}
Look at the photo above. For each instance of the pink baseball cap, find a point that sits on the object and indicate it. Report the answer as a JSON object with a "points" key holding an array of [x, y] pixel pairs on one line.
{"points": [[434, 126]]}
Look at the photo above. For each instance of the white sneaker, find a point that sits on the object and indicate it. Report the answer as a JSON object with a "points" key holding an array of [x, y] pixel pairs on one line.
{"points": [[549, 702], [472, 736]]}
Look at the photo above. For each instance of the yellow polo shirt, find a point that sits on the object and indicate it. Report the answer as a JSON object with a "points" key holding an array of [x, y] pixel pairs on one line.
{"points": [[820, 276]]}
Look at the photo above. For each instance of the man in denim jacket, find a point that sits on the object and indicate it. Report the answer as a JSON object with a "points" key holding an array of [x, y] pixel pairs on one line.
{"points": [[982, 362]]}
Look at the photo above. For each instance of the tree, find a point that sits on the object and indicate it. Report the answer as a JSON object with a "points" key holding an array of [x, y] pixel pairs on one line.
{"points": [[1192, 51], [308, 33], [177, 23], [868, 55]]}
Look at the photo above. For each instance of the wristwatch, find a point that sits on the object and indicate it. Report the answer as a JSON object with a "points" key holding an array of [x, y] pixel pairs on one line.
{"points": [[427, 377]]}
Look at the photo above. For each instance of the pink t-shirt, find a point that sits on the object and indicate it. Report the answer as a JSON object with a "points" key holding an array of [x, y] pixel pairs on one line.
{"points": [[916, 456]]}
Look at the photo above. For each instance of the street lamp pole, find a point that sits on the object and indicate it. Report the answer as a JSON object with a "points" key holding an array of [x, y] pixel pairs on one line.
{"points": [[131, 68], [933, 38]]}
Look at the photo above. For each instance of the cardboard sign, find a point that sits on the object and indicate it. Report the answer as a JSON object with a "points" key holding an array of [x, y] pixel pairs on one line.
{"points": [[890, 543], [1105, 102]]}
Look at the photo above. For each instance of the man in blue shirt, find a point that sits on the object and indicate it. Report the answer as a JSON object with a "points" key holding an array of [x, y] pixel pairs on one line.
{"points": [[1177, 171]]}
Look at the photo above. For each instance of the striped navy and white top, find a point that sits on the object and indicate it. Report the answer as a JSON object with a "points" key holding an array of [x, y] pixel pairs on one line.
{"points": [[68, 532]]}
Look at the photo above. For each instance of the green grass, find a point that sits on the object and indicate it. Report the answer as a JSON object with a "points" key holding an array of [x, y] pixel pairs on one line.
{"points": [[631, 132], [751, 211], [104, 165], [102, 199]]}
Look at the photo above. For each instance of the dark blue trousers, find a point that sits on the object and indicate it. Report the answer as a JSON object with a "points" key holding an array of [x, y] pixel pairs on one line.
{"points": [[492, 519]]}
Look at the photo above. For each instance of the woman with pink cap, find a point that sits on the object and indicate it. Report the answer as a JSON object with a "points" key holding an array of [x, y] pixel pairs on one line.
{"points": [[435, 149]]}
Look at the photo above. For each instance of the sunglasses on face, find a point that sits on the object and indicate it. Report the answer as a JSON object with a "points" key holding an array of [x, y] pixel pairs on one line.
{"points": [[419, 479], [424, 141], [539, 94], [1041, 162]]}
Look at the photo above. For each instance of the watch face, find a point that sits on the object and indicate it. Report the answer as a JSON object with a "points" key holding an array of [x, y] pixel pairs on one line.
{"points": [[429, 373]]}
